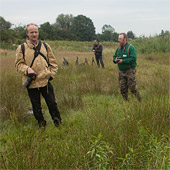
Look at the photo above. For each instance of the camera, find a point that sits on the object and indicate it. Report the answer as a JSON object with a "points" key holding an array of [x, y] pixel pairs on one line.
{"points": [[116, 61], [31, 77]]}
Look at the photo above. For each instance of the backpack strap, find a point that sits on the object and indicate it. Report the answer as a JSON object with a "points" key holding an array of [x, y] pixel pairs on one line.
{"points": [[23, 50], [23, 47], [36, 53], [45, 45], [128, 50], [128, 54]]}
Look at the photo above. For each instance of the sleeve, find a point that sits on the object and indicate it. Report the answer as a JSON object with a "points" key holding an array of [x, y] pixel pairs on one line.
{"points": [[20, 62], [100, 48], [115, 55], [53, 67], [93, 47], [132, 56]]}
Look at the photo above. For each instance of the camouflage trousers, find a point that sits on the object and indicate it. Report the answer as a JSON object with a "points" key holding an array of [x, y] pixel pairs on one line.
{"points": [[127, 80]]}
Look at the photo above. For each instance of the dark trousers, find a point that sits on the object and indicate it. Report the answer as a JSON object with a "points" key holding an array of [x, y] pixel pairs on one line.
{"points": [[99, 58], [127, 80], [48, 94]]}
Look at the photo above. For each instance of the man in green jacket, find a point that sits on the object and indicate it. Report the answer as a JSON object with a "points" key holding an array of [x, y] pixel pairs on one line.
{"points": [[125, 56]]}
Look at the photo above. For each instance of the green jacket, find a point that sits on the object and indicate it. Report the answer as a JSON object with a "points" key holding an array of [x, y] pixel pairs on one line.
{"points": [[122, 53]]}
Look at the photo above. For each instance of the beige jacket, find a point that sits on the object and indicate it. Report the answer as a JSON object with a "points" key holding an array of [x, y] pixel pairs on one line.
{"points": [[40, 66]]}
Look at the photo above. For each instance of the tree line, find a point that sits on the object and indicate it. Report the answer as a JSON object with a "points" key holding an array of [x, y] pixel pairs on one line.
{"points": [[66, 27]]}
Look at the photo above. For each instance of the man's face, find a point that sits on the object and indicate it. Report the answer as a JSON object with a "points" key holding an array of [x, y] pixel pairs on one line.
{"points": [[121, 40], [32, 33], [96, 43]]}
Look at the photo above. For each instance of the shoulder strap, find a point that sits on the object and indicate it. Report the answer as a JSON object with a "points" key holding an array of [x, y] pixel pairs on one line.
{"points": [[45, 45], [128, 50], [23, 49], [36, 53], [37, 49]]}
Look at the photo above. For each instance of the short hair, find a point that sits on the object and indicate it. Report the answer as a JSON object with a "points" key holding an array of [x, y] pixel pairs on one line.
{"points": [[124, 35], [29, 25]]}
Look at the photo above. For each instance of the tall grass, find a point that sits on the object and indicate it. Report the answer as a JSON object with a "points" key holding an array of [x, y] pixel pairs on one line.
{"points": [[14, 99], [134, 144], [157, 44], [99, 130]]}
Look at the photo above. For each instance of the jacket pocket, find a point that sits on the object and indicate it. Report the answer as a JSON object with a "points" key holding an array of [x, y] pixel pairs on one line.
{"points": [[44, 74]]}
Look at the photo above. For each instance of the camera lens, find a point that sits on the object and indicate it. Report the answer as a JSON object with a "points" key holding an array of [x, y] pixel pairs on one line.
{"points": [[28, 82]]}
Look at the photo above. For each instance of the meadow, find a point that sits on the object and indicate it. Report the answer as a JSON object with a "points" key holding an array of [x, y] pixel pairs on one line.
{"points": [[99, 129]]}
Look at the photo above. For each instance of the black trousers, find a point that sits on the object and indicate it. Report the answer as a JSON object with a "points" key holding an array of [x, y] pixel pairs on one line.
{"points": [[99, 58], [48, 94]]}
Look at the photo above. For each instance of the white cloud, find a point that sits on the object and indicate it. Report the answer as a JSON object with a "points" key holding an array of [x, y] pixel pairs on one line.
{"points": [[140, 16]]}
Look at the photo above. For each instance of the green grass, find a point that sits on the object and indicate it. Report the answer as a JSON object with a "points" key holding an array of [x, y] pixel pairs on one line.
{"points": [[157, 44], [99, 130]]}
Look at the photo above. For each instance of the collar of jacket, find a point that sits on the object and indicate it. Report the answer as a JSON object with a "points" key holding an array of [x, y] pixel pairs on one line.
{"points": [[124, 47], [30, 45]]}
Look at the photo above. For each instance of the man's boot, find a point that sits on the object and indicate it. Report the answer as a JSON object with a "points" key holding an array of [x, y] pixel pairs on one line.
{"points": [[57, 122], [138, 96], [42, 125], [125, 96]]}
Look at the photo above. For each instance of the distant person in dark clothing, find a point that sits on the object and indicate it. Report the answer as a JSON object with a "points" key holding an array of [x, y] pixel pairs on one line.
{"points": [[97, 49]]}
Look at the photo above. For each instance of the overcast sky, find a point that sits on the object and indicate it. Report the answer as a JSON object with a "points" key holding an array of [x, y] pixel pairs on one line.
{"points": [[143, 17]]}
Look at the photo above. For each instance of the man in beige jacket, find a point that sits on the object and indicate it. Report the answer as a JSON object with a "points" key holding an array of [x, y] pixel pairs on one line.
{"points": [[37, 64]]}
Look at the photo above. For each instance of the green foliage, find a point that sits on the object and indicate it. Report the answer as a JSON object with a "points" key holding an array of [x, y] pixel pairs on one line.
{"points": [[66, 27], [13, 98], [65, 35], [108, 28], [155, 44], [45, 31], [107, 36], [64, 22], [6, 34], [71, 46], [115, 36], [53, 32], [83, 28], [134, 135], [149, 152], [130, 35], [79, 28], [100, 154], [4, 25]]}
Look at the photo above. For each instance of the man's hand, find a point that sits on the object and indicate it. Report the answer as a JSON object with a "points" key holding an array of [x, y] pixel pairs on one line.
{"points": [[120, 61], [30, 70]]}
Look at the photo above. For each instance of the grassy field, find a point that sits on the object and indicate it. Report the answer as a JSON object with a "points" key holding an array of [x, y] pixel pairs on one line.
{"points": [[99, 130]]}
